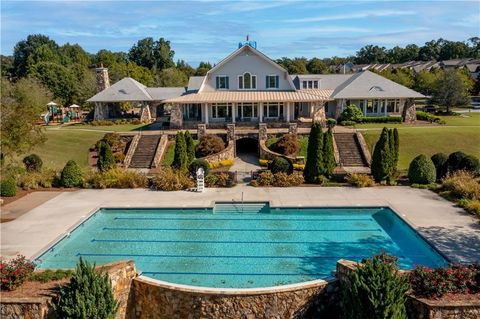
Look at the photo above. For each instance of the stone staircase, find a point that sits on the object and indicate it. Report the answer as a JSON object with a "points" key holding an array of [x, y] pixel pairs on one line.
{"points": [[145, 151], [349, 150]]}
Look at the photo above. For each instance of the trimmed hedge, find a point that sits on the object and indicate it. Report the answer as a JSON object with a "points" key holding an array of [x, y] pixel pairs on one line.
{"points": [[441, 166], [280, 165], [71, 175], [470, 163], [422, 170], [381, 119], [424, 116], [196, 164], [8, 187], [454, 160], [351, 113]]}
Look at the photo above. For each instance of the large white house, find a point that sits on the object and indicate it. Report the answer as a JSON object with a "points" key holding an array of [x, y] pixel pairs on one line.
{"points": [[249, 87]]}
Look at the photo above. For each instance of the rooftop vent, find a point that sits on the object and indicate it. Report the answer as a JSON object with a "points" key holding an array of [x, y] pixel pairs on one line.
{"points": [[376, 88]]}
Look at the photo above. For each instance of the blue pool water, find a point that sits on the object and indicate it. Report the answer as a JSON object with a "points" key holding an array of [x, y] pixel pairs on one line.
{"points": [[240, 246]]}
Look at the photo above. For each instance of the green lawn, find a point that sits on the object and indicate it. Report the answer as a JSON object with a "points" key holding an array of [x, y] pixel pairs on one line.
{"points": [[64, 145], [113, 128], [428, 141], [302, 140]]}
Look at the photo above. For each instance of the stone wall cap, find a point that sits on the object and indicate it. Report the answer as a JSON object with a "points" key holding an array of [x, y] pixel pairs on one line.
{"points": [[24, 300], [235, 291]]}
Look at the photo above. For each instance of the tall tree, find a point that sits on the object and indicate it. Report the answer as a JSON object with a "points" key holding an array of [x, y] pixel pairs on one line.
{"points": [[203, 68], [57, 78], [180, 157], [25, 48], [142, 53], [171, 77], [190, 147], [314, 166], [380, 158], [185, 68], [328, 153], [163, 54], [425, 81], [430, 51], [371, 54], [452, 89], [316, 66]]}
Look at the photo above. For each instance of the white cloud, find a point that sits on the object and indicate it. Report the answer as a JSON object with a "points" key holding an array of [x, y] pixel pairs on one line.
{"points": [[469, 21], [358, 15]]}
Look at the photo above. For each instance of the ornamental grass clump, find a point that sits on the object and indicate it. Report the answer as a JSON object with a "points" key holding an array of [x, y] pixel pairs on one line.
{"points": [[14, 272], [360, 180], [88, 295], [171, 180], [462, 184], [375, 290], [117, 178]]}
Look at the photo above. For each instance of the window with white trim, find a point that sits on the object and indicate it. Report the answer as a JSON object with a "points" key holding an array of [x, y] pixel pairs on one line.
{"points": [[221, 110], [222, 82], [272, 81], [273, 109], [247, 81]]}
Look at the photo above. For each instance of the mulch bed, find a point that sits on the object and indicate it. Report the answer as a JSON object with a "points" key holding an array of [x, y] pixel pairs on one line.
{"points": [[35, 289]]}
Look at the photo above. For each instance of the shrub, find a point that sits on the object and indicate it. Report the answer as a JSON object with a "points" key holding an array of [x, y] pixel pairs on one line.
{"points": [[190, 147], [441, 166], [114, 140], [314, 165], [171, 180], [71, 175], [298, 167], [265, 179], [196, 164], [470, 163], [117, 178], [462, 184], [347, 123], [223, 179], [459, 279], [381, 119], [33, 180], [421, 170], [375, 290], [282, 179], [287, 145], [424, 116], [51, 275], [208, 145], [88, 295], [211, 180], [14, 272], [352, 113], [8, 187], [180, 157], [328, 153], [263, 162], [471, 206], [382, 158], [280, 164], [106, 160], [331, 123], [224, 163], [33, 163], [360, 180], [454, 160]]}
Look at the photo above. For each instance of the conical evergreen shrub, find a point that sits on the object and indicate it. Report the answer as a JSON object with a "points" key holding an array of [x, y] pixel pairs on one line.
{"points": [[314, 165], [180, 157], [87, 296], [396, 153], [328, 153], [106, 160], [71, 175], [375, 290], [381, 164], [190, 147]]}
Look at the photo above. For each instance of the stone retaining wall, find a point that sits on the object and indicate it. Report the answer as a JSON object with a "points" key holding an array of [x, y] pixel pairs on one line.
{"points": [[27, 308], [227, 154], [156, 299], [364, 147], [161, 147], [432, 309], [131, 150]]}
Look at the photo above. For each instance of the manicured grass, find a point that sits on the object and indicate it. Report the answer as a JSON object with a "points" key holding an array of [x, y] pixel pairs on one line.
{"points": [[428, 141], [63, 145], [302, 140], [112, 128]]}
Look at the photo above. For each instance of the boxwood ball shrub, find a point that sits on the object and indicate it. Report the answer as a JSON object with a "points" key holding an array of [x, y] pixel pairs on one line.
{"points": [[441, 166], [470, 163], [352, 113], [71, 175], [280, 164], [33, 163], [422, 170], [375, 290], [8, 187], [196, 164], [454, 160], [208, 145], [87, 295]]}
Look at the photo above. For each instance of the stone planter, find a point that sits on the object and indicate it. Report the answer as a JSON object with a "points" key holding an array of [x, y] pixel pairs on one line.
{"points": [[420, 308]]}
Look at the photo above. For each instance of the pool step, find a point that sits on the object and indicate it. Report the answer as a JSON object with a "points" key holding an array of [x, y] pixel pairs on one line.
{"points": [[248, 208]]}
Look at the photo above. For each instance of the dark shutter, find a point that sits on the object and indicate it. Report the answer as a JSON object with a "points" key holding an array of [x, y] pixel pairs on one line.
{"points": [[218, 82], [276, 81], [227, 86], [267, 85]]}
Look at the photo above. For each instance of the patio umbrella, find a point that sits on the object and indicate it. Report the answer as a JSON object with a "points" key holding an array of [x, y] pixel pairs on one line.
{"points": [[74, 106], [51, 103]]}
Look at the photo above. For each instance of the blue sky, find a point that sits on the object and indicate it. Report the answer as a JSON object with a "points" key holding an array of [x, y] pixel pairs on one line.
{"points": [[210, 30]]}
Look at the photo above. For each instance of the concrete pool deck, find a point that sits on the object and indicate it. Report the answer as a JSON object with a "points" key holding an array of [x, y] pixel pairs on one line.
{"points": [[450, 229]]}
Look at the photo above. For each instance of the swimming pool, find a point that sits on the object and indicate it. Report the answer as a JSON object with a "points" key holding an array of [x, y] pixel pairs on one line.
{"points": [[240, 246]]}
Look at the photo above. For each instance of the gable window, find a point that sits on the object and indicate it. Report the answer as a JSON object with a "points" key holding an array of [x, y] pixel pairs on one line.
{"points": [[222, 82], [272, 81], [247, 81]]}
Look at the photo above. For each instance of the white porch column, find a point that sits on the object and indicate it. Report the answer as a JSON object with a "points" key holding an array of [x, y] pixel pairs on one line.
{"points": [[288, 111], [385, 105], [365, 107], [234, 112], [206, 112], [260, 112]]}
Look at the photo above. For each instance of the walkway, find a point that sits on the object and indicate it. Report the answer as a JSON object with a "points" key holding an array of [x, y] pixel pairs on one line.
{"points": [[25, 204], [244, 164], [449, 228]]}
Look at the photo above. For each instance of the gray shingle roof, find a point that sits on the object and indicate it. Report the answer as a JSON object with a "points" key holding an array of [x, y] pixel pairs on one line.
{"points": [[370, 85], [326, 81], [164, 93], [194, 83], [127, 89]]}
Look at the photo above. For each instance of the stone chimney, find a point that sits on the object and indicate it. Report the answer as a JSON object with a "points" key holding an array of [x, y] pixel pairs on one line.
{"points": [[103, 80]]}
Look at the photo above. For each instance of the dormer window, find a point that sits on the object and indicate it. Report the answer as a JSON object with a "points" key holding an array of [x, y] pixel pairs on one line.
{"points": [[311, 84], [222, 82], [272, 81], [376, 88], [247, 81]]}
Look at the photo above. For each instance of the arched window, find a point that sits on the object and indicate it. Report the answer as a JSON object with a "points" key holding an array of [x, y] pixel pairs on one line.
{"points": [[247, 81]]}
